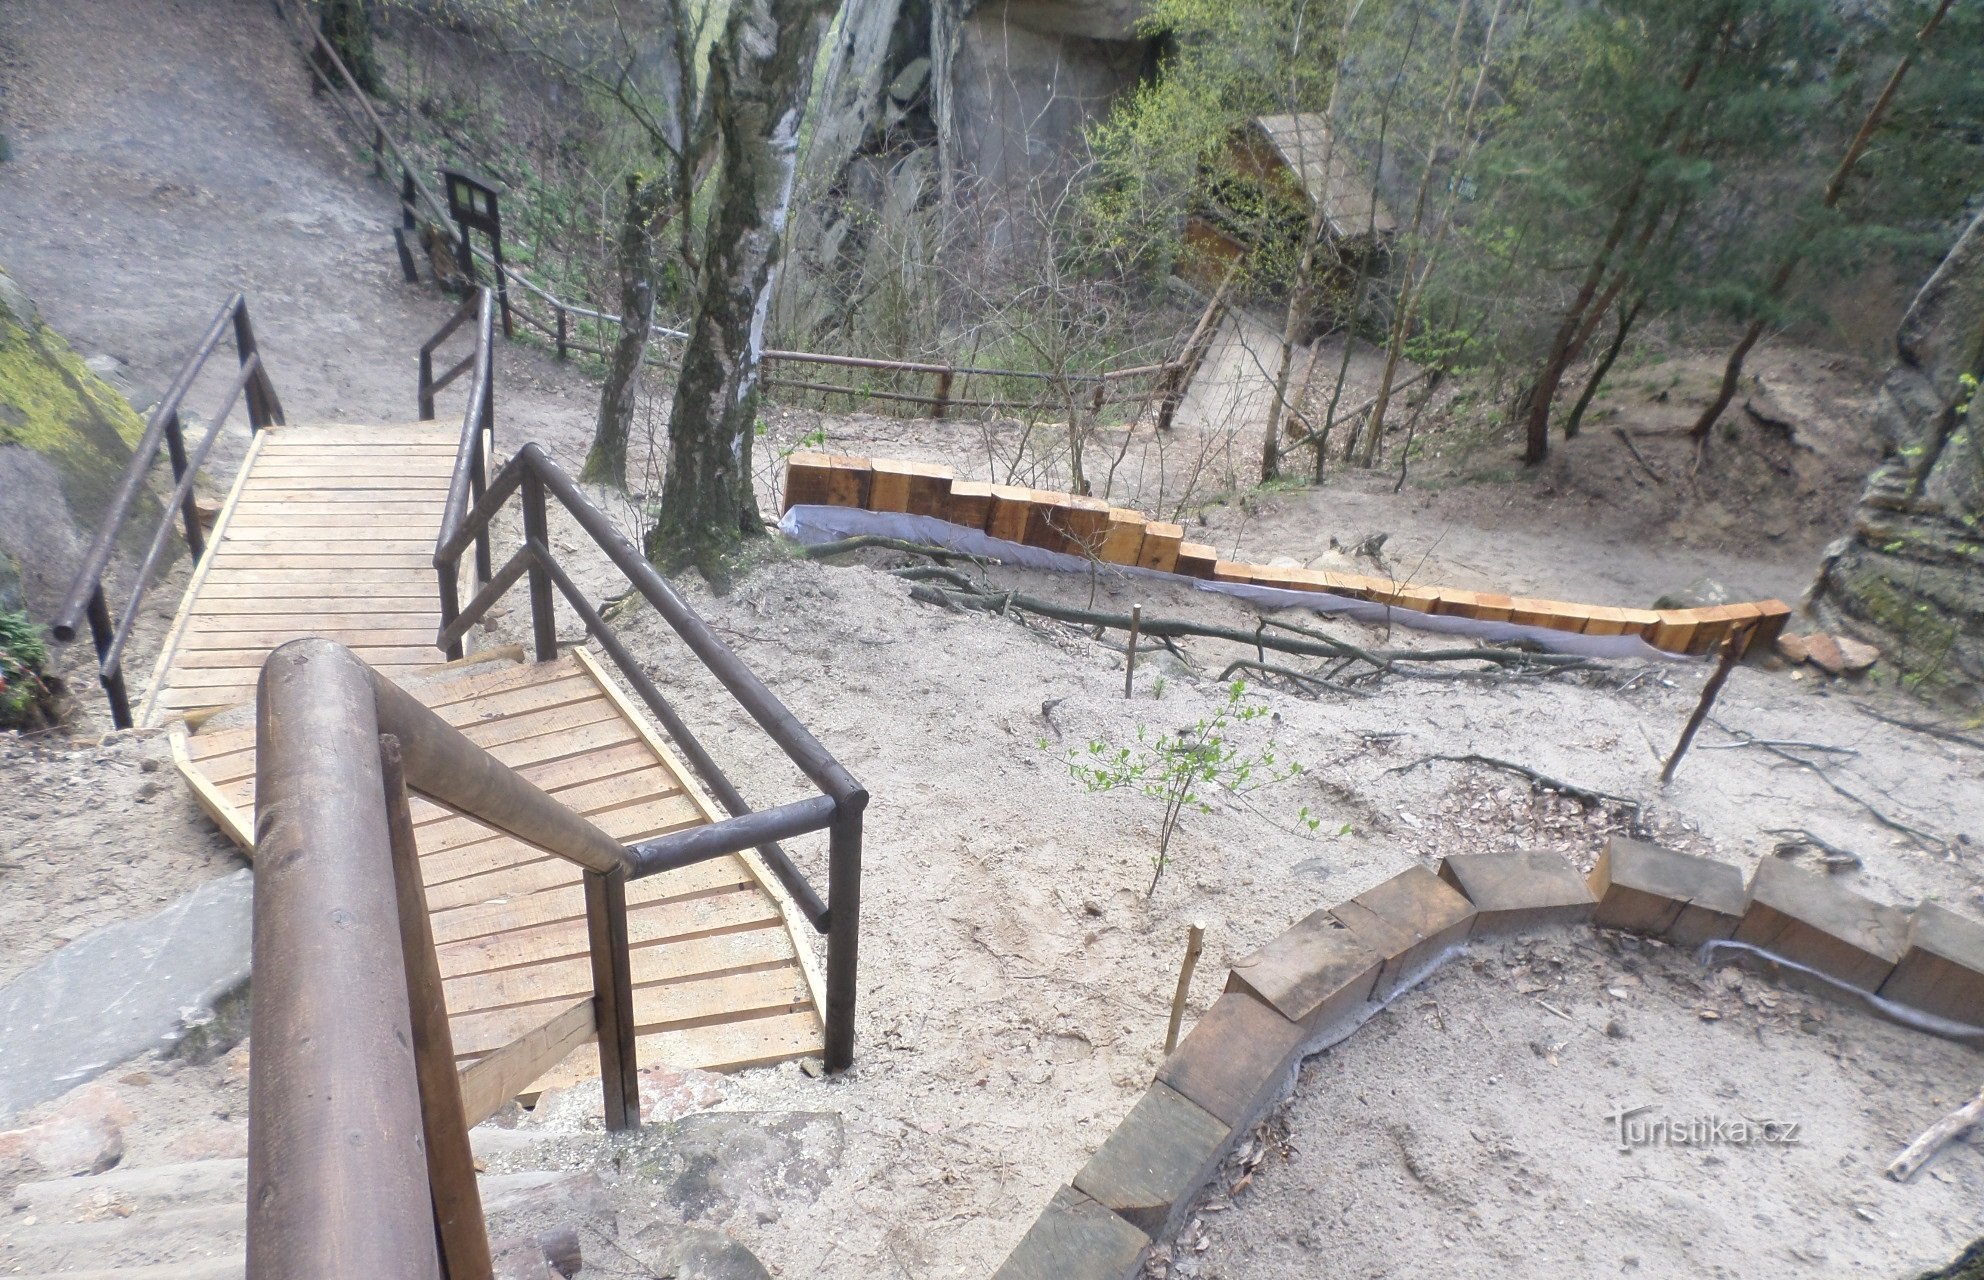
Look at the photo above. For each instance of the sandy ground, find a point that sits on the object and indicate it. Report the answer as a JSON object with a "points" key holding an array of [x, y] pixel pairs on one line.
{"points": [[1015, 978], [1477, 1122]]}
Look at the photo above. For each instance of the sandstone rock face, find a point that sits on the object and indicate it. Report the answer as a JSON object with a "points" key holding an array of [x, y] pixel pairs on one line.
{"points": [[1910, 576], [944, 119], [65, 438]]}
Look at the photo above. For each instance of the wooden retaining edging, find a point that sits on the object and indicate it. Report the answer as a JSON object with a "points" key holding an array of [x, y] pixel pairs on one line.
{"points": [[1321, 977], [1090, 527]]}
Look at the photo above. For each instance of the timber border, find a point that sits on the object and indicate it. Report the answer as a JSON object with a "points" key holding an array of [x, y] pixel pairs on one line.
{"points": [[1092, 528], [1320, 979]]}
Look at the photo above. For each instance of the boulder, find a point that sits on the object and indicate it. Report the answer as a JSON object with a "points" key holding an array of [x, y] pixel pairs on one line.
{"points": [[65, 438]]}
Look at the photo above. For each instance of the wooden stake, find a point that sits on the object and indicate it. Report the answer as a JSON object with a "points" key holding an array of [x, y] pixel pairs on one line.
{"points": [[1732, 649], [1195, 942], [1938, 1135], [1130, 666]]}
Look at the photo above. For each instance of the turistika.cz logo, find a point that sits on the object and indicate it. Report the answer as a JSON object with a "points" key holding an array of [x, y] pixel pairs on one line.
{"points": [[1635, 1127]]}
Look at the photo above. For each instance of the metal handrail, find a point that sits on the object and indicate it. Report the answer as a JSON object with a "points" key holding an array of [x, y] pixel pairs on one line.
{"points": [[87, 599], [531, 475], [358, 1152]]}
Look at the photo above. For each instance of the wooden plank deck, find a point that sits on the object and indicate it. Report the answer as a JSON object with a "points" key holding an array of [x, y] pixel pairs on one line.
{"points": [[719, 982], [329, 531]]}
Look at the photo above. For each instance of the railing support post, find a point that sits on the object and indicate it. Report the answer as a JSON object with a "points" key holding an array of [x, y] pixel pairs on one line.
{"points": [[189, 511], [451, 602], [426, 386], [458, 1221], [102, 635], [943, 394], [613, 997], [543, 621], [843, 927]]}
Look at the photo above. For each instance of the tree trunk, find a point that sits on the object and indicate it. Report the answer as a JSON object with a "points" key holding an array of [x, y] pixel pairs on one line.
{"points": [[759, 79], [1605, 362], [349, 29], [1907, 575], [606, 461], [1732, 373], [1535, 400]]}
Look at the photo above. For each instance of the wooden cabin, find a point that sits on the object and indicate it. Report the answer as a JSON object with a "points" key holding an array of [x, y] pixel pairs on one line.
{"points": [[1266, 186]]}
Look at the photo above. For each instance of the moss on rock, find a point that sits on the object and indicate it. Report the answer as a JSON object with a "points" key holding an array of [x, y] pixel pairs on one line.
{"points": [[65, 439]]}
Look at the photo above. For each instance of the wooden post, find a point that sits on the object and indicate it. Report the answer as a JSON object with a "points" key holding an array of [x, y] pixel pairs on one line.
{"points": [[1130, 664], [613, 997], [458, 1221], [559, 311], [544, 622], [1732, 649], [1195, 942], [943, 394]]}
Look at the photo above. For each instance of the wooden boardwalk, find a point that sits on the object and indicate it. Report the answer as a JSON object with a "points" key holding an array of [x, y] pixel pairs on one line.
{"points": [[329, 532], [719, 979]]}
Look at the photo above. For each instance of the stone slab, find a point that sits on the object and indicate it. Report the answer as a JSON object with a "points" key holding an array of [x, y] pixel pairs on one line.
{"points": [[1075, 1238], [1409, 919], [1311, 974], [122, 990], [1647, 889], [1525, 889], [1816, 922], [1154, 1163], [1235, 1059], [1942, 971]]}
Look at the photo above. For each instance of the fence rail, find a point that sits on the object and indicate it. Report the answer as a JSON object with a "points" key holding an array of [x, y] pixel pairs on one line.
{"points": [[88, 599]]}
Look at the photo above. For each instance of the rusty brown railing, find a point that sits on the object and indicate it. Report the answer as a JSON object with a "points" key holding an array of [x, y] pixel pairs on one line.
{"points": [[473, 501], [88, 599], [358, 1149]]}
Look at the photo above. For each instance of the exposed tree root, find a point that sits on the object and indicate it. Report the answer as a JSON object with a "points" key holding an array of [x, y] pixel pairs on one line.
{"points": [[1583, 795]]}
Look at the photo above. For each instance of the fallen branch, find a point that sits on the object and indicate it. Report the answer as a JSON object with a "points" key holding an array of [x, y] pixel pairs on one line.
{"points": [[1627, 440], [1927, 840], [1583, 795], [875, 541], [968, 596], [1833, 857], [1935, 1138], [1918, 726], [1289, 673]]}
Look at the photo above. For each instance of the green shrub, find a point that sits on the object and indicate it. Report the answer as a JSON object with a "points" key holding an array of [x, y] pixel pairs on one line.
{"points": [[26, 702]]}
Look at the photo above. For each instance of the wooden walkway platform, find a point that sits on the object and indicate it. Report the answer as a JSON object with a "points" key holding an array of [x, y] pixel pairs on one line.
{"points": [[722, 975], [329, 532]]}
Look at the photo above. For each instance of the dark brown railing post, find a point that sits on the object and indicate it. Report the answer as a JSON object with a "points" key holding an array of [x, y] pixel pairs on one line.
{"points": [[189, 510], [943, 394], [559, 312], [451, 602], [843, 927], [458, 1221], [426, 386], [263, 407], [102, 635], [543, 621], [613, 997]]}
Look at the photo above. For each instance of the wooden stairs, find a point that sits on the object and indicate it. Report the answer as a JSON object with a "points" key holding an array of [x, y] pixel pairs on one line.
{"points": [[330, 531]]}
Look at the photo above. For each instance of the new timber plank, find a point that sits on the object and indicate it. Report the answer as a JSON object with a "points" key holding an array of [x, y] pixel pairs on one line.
{"points": [[567, 902]]}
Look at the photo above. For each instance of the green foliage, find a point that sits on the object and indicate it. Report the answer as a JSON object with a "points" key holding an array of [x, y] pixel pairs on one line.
{"points": [[1162, 152], [1181, 770], [23, 654]]}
